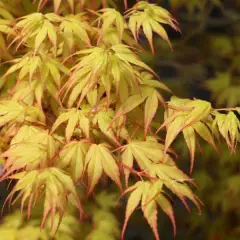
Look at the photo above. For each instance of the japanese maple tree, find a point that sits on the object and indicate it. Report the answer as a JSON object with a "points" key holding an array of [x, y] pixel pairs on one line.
{"points": [[78, 105]]}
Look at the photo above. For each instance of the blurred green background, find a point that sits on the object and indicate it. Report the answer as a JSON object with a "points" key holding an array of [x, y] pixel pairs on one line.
{"points": [[205, 63]]}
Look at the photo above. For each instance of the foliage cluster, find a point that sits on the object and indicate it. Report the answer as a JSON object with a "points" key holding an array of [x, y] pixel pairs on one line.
{"points": [[78, 106]]}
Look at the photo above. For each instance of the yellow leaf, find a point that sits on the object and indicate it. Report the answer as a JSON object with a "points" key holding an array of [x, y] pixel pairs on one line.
{"points": [[109, 164], [72, 123], [42, 34], [174, 128], [151, 106], [190, 138], [94, 166], [127, 160], [167, 208], [131, 103], [201, 109], [149, 208], [11, 111], [133, 202], [73, 155], [100, 159], [205, 133], [147, 29]]}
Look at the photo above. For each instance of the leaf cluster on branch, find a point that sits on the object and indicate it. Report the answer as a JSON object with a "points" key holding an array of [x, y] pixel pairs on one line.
{"points": [[78, 105]]}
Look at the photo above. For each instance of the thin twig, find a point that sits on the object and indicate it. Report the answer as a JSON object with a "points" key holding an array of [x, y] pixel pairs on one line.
{"points": [[228, 109]]}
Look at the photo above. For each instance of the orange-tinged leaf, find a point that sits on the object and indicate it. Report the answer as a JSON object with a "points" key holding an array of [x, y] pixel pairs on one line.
{"points": [[100, 159], [190, 138], [201, 109], [156, 27], [111, 17], [94, 166], [57, 5], [151, 149], [55, 186], [174, 128], [183, 191], [52, 35], [156, 84], [128, 56], [42, 34], [145, 153], [71, 4], [150, 110], [129, 105], [61, 119], [11, 111], [166, 206], [73, 155], [75, 118], [231, 130], [109, 164], [150, 213], [104, 120], [84, 124], [205, 133], [127, 159], [147, 29], [150, 17], [30, 151], [169, 171], [133, 201]]}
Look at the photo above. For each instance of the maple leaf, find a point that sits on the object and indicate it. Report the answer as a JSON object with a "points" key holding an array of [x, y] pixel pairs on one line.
{"points": [[11, 111], [150, 17], [106, 66], [31, 148], [32, 66], [150, 195], [38, 27], [229, 127], [110, 17], [104, 119], [146, 153], [74, 28], [52, 183], [75, 118], [14, 112], [73, 155], [98, 160], [184, 115], [110, 37]]}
